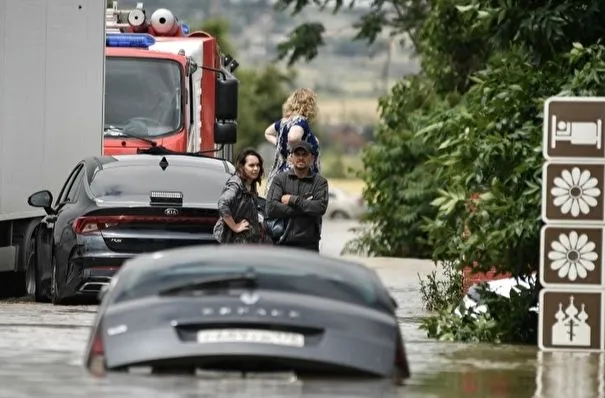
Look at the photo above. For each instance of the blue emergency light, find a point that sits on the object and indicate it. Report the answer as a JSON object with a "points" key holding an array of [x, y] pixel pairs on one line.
{"points": [[185, 28], [136, 40]]}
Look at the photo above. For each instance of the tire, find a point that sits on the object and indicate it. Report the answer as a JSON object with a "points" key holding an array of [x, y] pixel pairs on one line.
{"points": [[33, 283], [54, 286]]}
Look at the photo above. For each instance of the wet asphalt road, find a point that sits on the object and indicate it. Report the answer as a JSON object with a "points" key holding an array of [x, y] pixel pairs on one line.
{"points": [[41, 349]]}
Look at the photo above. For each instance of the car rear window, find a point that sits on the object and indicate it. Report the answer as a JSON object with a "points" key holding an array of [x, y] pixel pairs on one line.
{"points": [[197, 185], [140, 283]]}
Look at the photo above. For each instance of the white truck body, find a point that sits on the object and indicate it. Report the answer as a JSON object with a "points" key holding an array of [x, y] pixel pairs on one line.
{"points": [[52, 78]]}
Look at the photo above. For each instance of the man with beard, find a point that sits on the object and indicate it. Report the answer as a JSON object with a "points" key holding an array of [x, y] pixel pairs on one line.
{"points": [[299, 196]]}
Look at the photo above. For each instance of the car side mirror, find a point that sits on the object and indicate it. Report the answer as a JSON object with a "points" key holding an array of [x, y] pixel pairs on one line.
{"points": [[43, 199], [225, 132], [226, 96]]}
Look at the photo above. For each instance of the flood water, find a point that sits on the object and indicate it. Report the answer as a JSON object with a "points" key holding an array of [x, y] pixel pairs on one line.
{"points": [[41, 349]]}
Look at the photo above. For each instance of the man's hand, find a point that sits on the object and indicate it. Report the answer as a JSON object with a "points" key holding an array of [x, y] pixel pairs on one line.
{"points": [[285, 199]]}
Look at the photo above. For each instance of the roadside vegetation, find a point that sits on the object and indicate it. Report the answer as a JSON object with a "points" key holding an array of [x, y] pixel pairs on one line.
{"points": [[454, 172]]}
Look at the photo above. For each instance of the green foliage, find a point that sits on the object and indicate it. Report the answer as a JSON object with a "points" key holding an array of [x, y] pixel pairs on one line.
{"points": [[438, 291], [401, 18], [332, 163], [262, 93], [400, 184], [450, 50], [455, 170], [503, 320], [493, 148], [303, 43]]}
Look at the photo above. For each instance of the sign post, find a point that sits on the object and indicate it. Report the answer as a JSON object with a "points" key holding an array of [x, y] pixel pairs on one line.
{"points": [[572, 241]]}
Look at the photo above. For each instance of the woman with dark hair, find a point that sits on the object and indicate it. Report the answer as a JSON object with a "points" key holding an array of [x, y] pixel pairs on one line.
{"points": [[239, 220]]}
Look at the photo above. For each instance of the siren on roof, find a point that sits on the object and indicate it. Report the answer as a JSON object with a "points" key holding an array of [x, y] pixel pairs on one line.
{"points": [[164, 23], [161, 23]]}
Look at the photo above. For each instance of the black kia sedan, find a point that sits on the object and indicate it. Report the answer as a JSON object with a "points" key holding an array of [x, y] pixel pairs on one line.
{"points": [[112, 208]]}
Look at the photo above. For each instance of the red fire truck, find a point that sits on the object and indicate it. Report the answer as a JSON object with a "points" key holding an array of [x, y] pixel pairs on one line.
{"points": [[166, 87]]}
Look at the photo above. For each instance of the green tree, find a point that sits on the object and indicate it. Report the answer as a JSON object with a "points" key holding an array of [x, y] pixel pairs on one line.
{"points": [[262, 93], [401, 18]]}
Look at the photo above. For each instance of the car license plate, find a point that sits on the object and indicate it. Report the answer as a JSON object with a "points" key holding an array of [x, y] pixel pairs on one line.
{"points": [[250, 336]]}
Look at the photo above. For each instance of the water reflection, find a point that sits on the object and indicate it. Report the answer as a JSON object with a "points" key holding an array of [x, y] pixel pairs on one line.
{"points": [[481, 371], [567, 374]]}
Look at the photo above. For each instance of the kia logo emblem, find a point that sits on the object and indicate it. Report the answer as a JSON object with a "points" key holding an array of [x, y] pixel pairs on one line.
{"points": [[171, 212]]}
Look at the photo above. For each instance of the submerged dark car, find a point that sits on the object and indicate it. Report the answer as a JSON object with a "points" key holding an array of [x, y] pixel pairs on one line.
{"points": [[247, 309], [112, 208]]}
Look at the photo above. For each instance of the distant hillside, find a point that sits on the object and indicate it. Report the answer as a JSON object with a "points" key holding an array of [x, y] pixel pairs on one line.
{"points": [[348, 75]]}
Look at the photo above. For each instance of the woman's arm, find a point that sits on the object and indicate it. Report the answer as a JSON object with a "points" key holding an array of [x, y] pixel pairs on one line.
{"points": [[271, 134], [226, 202]]}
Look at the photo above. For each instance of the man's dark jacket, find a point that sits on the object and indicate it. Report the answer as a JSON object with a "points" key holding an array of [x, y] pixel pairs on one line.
{"points": [[308, 203]]}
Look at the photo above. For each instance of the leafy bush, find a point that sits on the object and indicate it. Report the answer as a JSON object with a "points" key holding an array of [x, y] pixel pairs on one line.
{"points": [[435, 151], [400, 184], [504, 320]]}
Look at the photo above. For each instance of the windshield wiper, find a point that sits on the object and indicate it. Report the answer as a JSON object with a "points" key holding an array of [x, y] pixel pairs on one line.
{"points": [[119, 132], [245, 280]]}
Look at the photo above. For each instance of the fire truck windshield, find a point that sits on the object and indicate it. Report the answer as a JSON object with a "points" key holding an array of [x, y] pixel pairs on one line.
{"points": [[142, 96]]}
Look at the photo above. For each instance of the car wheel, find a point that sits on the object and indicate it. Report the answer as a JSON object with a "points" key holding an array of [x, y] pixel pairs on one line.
{"points": [[54, 286], [32, 275], [339, 215]]}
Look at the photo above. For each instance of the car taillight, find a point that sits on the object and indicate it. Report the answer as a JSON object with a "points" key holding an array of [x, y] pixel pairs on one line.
{"points": [[90, 224], [85, 225], [96, 359]]}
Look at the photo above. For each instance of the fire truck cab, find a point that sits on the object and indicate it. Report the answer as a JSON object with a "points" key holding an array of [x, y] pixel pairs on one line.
{"points": [[166, 87]]}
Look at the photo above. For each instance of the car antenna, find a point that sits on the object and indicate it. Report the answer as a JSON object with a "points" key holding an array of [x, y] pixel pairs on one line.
{"points": [[163, 163]]}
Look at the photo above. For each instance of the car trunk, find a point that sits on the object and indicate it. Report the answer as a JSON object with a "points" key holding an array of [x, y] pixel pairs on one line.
{"points": [[187, 330], [150, 228]]}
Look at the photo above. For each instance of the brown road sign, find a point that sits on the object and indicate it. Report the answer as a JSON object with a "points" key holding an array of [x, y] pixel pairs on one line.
{"points": [[571, 257], [573, 128], [571, 320], [573, 193]]}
